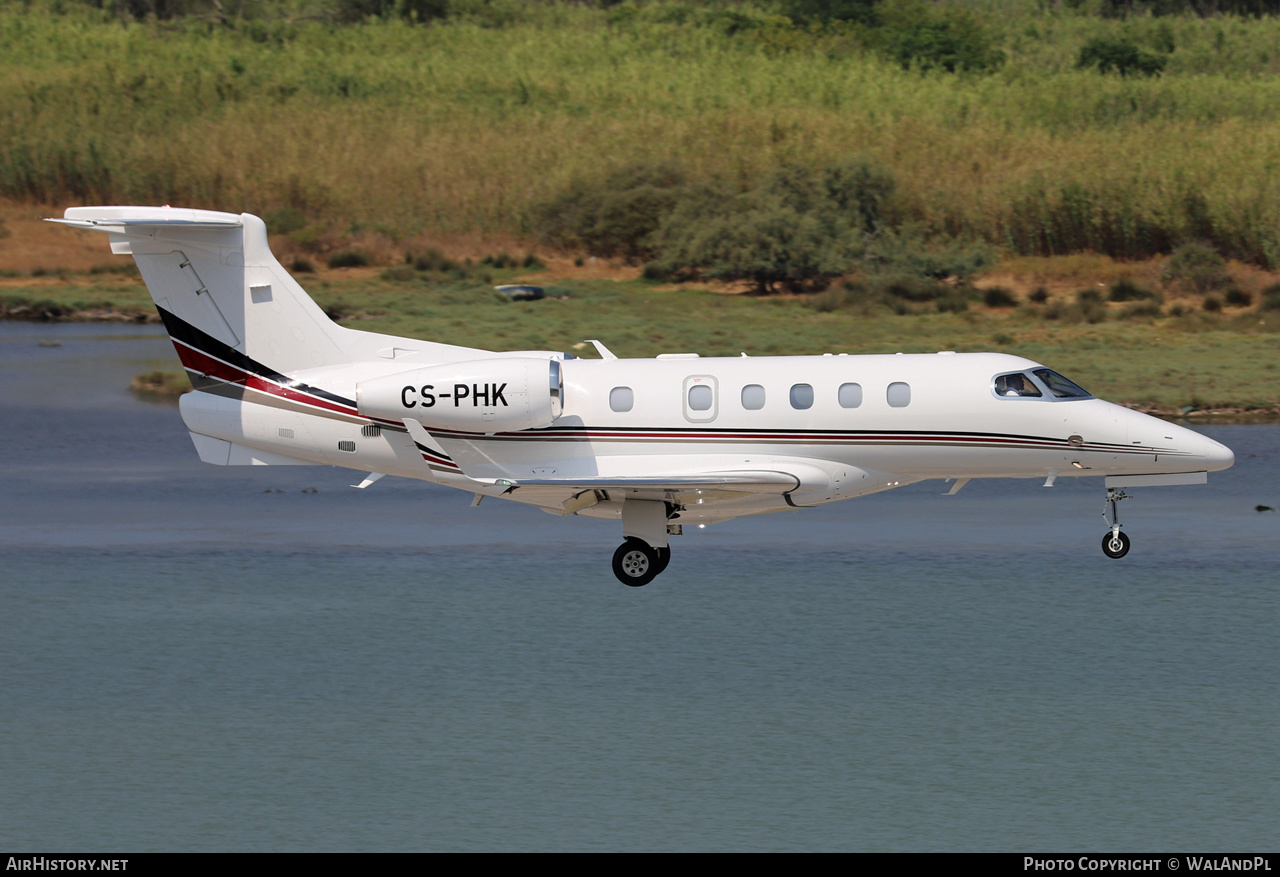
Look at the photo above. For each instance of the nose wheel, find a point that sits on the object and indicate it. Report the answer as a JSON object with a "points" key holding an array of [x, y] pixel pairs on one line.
{"points": [[1114, 544], [636, 562]]}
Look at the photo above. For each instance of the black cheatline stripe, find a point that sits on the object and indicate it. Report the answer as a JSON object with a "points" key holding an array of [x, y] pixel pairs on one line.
{"points": [[436, 455], [763, 434], [181, 330], [719, 430]]}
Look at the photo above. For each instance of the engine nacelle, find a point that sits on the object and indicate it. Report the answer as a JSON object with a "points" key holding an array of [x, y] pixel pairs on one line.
{"points": [[487, 395]]}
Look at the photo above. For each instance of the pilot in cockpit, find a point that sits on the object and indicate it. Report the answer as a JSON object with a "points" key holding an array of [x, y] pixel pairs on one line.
{"points": [[1015, 385]]}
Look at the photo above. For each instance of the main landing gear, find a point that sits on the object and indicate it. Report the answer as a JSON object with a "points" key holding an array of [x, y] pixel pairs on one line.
{"points": [[644, 553], [636, 562], [1114, 544]]}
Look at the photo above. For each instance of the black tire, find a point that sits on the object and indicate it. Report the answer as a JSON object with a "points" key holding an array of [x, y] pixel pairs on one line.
{"points": [[635, 563], [664, 557], [1116, 546]]}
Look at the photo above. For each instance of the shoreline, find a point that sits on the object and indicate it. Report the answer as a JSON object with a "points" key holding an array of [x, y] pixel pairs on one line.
{"points": [[167, 386]]}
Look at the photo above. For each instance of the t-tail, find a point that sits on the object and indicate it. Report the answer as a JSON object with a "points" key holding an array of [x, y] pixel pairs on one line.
{"points": [[223, 295]]}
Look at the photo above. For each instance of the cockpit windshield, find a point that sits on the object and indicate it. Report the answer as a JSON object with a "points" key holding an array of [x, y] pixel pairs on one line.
{"points": [[1016, 384], [1060, 386]]}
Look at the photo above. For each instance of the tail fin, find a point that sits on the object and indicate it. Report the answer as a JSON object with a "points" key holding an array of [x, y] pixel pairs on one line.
{"points": [[219, 288]]}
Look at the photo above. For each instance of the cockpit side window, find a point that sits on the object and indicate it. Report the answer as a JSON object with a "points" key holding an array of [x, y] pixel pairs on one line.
{"points": [[1016, 384], [1060, 386]]}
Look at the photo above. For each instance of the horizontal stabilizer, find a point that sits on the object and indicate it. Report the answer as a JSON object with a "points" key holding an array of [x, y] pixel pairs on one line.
{"points": [[118, 219]]}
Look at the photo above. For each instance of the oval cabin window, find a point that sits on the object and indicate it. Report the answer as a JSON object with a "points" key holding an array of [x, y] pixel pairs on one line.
{"points": [[899, 395], [700, 397], [850, 395], [621, 399]]}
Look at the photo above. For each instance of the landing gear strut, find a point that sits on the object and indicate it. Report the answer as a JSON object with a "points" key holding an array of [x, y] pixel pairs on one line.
{"points": [[636, 562], [1114, 544]]}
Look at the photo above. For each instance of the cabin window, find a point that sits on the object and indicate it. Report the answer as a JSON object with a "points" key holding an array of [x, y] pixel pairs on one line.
{"points": [[802, 396], [621, 399], [850, 395], [1015, 385], [699, 398], [898, 395], [753, 397]]}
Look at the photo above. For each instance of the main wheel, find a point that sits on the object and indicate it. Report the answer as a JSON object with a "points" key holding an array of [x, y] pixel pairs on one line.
{"points": [[635, 563], [1115, 545]]}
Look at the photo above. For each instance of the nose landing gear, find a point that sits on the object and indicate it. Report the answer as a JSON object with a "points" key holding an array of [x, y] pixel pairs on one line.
{"points": [[1114, 544]]}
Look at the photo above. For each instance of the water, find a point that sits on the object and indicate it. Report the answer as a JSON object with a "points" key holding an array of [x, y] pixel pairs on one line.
{"points": [[264, 659]]}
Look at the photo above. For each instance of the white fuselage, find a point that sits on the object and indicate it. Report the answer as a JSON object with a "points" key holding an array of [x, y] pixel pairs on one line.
{"points": [[941, 419]]}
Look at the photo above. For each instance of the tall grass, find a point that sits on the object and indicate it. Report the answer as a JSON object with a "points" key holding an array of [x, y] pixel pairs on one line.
{"points": [[458, 127]]}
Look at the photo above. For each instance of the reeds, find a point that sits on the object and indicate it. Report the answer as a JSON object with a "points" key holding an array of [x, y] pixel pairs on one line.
{"points": [[396, 128]]}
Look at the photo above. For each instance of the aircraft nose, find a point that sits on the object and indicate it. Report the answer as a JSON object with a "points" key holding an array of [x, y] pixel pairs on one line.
{"points": [[1218, 456]]}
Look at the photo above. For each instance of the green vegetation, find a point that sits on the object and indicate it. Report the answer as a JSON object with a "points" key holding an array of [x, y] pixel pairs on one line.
{"points": [[472, 117], [1162, 360], [875, 154], [1120, 56]]}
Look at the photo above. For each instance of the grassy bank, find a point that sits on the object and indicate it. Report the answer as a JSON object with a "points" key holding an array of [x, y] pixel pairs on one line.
{"points": [[1204, 361], [463, 126]]}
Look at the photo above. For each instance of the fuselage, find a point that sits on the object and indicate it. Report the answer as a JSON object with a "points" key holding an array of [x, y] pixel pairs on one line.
{"points": [[845, 425]]}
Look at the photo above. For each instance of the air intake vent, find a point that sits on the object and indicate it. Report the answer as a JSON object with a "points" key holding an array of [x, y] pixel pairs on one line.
{"points": [[350, 447], [285, 432], [372, 430]]}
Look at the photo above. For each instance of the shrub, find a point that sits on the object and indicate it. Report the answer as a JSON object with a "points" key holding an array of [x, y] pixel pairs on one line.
{"points": [[616, 216], [1122, 56], [910, 287], [1088, 308], [1040, 295], [1142, 310], [399, 274], [287, 220], [1197, 267], [796, 230], [1270, 298], [907, 251], [1125, 289], [928, 36], [302, 265], [860, 11], [1238, 298], [409, 10], [999, 297], [432, 260], [348, 259], [1213, 304]]}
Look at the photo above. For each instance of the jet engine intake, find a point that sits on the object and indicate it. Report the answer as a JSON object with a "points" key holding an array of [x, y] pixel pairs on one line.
{"points": [[488, 395]]}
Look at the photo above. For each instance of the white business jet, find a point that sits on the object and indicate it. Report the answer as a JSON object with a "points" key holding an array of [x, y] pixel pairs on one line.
{"points": [[659, 444]]}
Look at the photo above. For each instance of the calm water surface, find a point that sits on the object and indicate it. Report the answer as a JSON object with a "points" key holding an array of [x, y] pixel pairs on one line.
{"points": [[199, 658]]}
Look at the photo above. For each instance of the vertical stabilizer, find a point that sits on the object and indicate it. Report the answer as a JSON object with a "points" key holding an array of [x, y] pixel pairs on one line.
{"points": [[218, 287]]}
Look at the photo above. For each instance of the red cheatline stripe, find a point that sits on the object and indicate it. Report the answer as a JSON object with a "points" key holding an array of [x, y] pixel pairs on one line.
{"points": [[201, 362], [216, 368], [805, 438]]}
